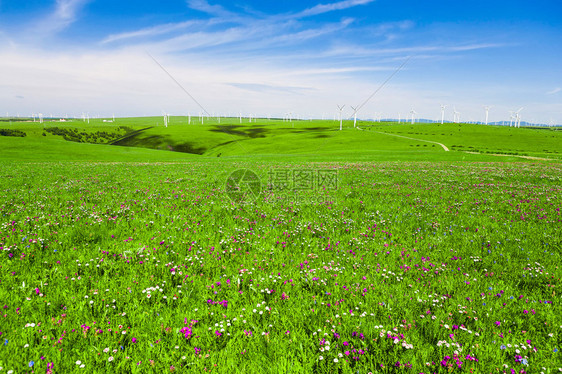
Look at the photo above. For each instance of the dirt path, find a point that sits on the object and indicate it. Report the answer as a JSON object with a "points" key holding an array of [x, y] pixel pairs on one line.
{"points": [[405, 137], [502, 155]]}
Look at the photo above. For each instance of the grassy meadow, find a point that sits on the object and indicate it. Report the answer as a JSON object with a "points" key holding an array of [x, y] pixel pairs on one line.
{"points": [[275, 139], [362, 252]]}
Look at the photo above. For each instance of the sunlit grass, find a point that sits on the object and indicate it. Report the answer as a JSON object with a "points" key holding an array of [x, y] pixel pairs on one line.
{"points": [[128, 267]]}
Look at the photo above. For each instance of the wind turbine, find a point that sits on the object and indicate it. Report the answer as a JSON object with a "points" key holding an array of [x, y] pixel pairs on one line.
{"points": [[443, 112], [518, 118], [354, 116], [340, 108], [398, 118], [487, 108], [456, 115], [412, 112]]}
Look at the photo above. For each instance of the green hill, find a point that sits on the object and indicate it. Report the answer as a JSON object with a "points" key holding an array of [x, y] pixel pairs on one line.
{"points": [[146, 139]]}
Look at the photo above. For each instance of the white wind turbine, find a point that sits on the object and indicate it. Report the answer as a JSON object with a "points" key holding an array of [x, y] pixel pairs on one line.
{"points": [[340, 108], [487, 108], [443, 112], [399, 118], [456, 115], [511, 118], [518, 118], [413, 112]]}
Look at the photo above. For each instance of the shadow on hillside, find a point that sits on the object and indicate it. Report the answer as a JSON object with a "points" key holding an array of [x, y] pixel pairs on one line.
{"points": [[159, 142], [252, 132]]}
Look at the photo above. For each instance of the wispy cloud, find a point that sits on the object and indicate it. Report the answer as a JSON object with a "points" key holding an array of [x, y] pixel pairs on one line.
{"points": [[554, 91], [263, 88], [364, 51], [311, 33], [342, 70], [150, 31], [325, 8], [214, 10], [65, 13], [472, 47]]}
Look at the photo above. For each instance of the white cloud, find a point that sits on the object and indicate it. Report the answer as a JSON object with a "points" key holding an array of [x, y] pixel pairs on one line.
{"points": [[325, 8], [65, 13], [554, 91], [214, 10], [151, 31]]}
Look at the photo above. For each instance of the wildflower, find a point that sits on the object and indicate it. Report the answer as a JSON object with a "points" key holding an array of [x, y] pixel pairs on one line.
{"points": [[110, 358]]}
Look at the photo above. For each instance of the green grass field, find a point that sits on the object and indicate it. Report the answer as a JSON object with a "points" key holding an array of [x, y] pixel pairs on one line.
{"points": [[353, 251], [275, 138]]}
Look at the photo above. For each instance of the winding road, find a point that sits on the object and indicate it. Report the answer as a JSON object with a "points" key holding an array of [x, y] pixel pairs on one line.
{"points": [[405, 137]]}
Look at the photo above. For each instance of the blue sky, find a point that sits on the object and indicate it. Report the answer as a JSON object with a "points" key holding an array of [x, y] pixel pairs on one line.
{"points": [[270, 58]]}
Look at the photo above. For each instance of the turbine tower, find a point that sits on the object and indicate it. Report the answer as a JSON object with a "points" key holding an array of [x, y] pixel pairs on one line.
{"points": [[487, 108], [412, 112], [443, 112], [518, 118], [340, 108], [456, 115]]}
